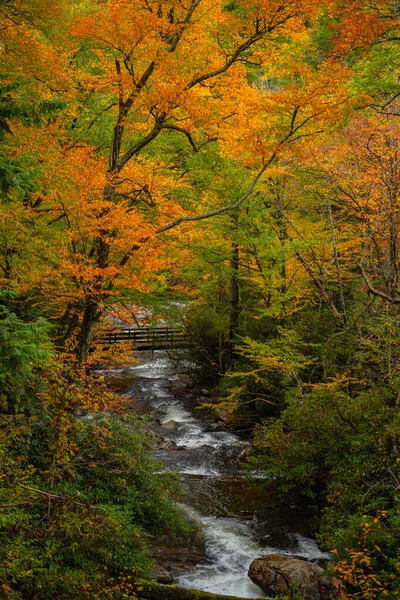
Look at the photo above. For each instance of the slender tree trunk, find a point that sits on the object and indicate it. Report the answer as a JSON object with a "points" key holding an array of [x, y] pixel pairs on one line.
{"points": [[337, 265], [393, 243], [234, 300], [282, 234]]}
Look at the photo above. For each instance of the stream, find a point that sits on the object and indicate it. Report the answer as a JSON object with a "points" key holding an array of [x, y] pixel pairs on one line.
{"points": [[239, 521]]}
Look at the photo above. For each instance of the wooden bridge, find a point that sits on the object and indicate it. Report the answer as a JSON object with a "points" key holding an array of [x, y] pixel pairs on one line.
{"points": [[149, 338]]}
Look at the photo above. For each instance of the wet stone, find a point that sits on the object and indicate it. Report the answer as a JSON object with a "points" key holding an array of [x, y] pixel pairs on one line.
{"points": [[276, 573], [161, 575], [171, 424]]}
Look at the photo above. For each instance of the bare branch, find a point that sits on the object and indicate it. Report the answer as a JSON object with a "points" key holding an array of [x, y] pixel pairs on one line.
{"points": [[185, 132], [222, 209], [236, 55], [233, 58], [202, 216], [196, 147], [12, 505], [373, 290], [158, 125], [244, 402], [54, 496]]}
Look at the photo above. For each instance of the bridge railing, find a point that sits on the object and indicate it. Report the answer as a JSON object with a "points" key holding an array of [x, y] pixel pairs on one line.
{"points": [[148, 337]]}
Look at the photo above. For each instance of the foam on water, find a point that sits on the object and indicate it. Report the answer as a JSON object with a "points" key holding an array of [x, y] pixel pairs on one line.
{"points": [[158, 367], [190, 432], [175, 412], [200, 471], [193, 435], [308, 548], [155, 390], [230, 549]]}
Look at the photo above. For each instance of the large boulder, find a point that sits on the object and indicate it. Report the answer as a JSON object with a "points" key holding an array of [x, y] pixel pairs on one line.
{"points": [[275, 573]]}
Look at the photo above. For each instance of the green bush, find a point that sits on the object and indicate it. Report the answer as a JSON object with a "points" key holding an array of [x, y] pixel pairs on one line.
{"points": [[80, 495]]}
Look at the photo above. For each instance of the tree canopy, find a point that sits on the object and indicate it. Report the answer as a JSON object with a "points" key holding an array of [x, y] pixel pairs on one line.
{"points": [[243, 157]]}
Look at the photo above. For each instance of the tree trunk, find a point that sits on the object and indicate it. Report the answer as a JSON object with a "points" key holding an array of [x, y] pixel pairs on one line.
{"points": [[282, 234], [92, 310], [90, 316], [337, 265], [234, 299], [67, 324]]}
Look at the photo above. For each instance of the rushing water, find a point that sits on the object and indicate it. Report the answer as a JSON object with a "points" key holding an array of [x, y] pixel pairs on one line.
{"points": [[239, 521]]}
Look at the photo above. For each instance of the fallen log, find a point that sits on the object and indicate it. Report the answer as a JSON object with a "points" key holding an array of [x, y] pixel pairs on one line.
{"points": [[151, 590]]}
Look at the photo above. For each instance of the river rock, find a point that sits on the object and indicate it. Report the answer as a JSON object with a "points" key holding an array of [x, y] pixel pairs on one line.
{"points": [[246, 453], [222, 414], [218, 426], [274, 574], [161, 575], [170, 424], [178, 557], [177, 388], [166, 445]]}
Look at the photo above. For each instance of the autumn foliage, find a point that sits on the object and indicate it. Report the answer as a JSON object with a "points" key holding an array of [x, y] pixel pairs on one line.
{"points": [[243, 157]]}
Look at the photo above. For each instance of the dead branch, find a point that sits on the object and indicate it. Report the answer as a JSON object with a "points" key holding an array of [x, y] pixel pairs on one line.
{"points": [[56, 496], [373, 290]]}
